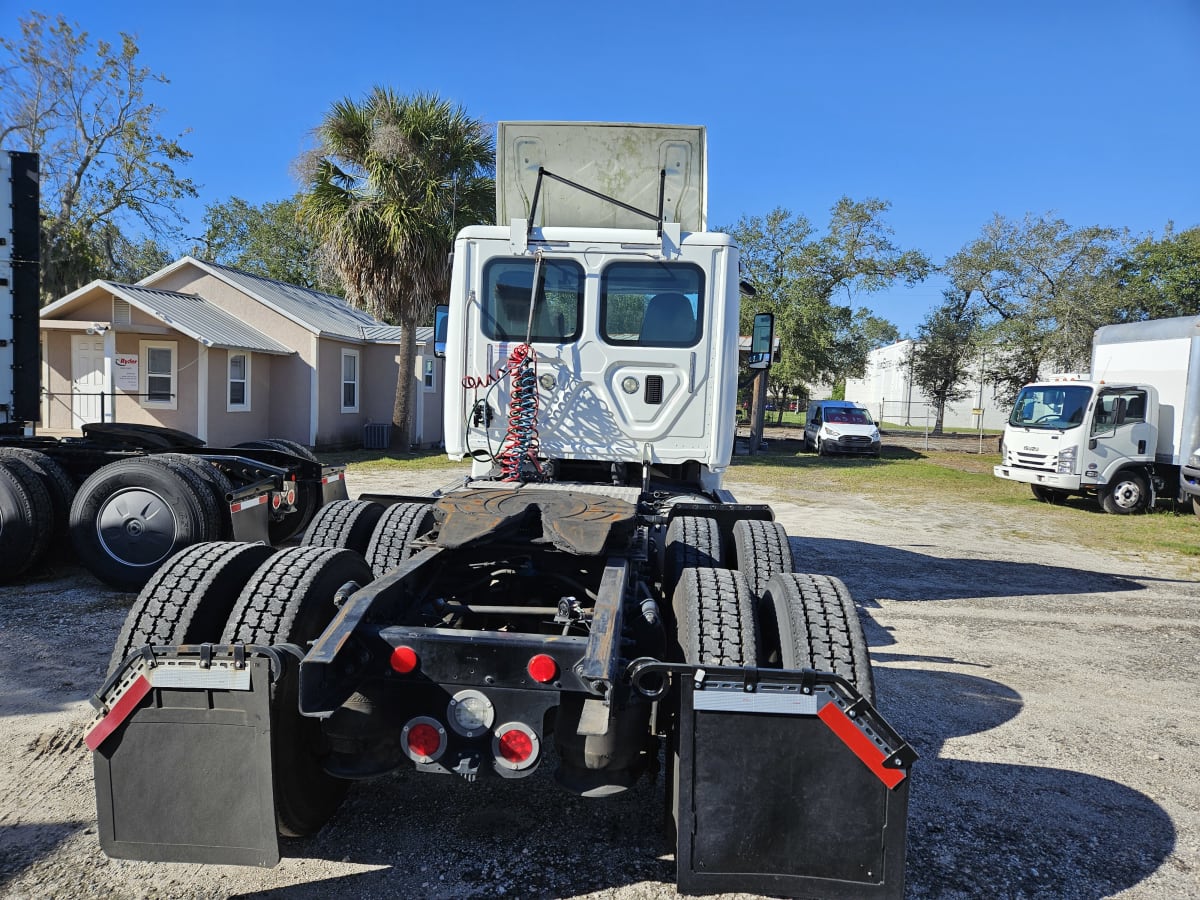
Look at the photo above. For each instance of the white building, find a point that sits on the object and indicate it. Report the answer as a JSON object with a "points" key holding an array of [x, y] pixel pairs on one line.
{"points": [[887, 390]]}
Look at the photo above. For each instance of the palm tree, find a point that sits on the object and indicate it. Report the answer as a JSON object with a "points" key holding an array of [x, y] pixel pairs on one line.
{"points": [[395, 178]]}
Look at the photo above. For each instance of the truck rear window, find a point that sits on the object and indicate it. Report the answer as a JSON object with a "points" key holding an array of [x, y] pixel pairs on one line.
{"points": [[652, 304], [508, 287]]}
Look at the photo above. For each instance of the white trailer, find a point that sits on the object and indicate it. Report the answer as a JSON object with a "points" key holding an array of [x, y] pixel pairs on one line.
{"points": [[1127, 434]]}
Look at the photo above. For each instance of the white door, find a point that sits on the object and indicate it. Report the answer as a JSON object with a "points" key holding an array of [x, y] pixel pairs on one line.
{"points": [[87, 379]]}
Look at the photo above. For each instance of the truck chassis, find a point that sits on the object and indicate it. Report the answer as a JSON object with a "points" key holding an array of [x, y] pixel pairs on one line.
{"points": [[495, 628]]}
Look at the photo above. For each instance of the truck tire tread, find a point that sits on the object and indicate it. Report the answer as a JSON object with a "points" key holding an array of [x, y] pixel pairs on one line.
{"points": [[189, 598], [714, 612], [818, 627], [289, 599], [692, 542], [397, 528], [25, 518], [60, 485], [762, 551], [346, 524]]}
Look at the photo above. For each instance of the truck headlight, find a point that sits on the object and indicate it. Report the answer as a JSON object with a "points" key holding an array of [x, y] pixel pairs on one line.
{"points": [[832, 433], [1066, 460]]}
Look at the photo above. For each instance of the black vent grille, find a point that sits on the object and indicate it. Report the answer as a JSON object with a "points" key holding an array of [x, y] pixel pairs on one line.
{"points": [[654, 385]]}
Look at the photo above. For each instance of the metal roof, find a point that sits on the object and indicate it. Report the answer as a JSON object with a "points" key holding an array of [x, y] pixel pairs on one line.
{"points": [[197, 318], [390, 334], [321, 313]]}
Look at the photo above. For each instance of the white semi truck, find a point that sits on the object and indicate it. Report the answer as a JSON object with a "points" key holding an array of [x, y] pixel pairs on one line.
{"points": [[1126, 434], [589, 600]]}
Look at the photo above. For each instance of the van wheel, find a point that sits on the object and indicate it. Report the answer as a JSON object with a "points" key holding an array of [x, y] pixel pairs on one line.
{"points": [[1127, 494]]}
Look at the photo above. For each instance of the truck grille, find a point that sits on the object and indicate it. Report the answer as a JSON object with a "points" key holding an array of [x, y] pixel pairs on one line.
{"points": [[855, 439], [1042, 462]]}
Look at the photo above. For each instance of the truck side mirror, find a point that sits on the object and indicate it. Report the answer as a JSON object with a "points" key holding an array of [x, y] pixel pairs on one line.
{"points": [[762, 341], [441, 316]]}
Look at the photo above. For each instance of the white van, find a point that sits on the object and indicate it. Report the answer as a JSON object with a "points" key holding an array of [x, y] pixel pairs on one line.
{"points": [[838, 426]]}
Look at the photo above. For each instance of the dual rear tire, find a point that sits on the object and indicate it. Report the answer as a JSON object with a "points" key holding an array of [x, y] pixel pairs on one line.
{"points": [[238, 592]]}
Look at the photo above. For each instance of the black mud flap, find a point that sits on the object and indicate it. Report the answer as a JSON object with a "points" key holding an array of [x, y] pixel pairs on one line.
{"points": [[333, 484], [788, 783], [182, 754]]}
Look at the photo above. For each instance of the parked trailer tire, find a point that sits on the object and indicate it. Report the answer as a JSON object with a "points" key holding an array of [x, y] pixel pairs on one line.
{"points": [[762, 551], [26, 518], [810, 621], [190, 597], [692, 542], [345, 524], [290, 600], [58, 483], [1127, 494], [218, 484], [397, 528], [308, 496], [131, 515]]}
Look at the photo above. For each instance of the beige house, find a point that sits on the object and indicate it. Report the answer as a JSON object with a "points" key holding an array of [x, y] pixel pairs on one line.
{"points": [[228, 356]]}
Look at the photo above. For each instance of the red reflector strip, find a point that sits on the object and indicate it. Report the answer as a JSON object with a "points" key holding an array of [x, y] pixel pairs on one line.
{"points": [[121, 710], [247, 504], [860, 745], [340, 476]]}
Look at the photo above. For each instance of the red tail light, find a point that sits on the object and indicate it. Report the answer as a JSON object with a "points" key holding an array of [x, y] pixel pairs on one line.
{"points": [[291, 497], [404, 660], [276, 499], [515, 746], [424, 739], [542, 668]]}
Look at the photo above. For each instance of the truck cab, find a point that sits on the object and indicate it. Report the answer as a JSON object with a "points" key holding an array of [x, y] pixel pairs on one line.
{"points": [[633, 329], [1081, 437]]}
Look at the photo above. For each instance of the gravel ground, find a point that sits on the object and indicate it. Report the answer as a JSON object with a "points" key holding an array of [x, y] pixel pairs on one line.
{"points": [[1048, 688]]}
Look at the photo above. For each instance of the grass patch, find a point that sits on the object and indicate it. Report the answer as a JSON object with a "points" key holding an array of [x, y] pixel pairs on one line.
{"points": [[917, 477], [388, 460]]}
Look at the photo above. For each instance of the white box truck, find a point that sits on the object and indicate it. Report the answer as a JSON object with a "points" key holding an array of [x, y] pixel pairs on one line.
{"points": [[1127, 434]]}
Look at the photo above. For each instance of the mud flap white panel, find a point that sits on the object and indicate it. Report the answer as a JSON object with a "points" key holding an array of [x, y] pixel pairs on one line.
{"points": [[183, 765]]}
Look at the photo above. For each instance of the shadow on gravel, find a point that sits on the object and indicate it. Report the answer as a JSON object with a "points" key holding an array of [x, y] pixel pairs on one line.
{"points": [[442, 837], [23, 845], [999, 830], [910, 575]]}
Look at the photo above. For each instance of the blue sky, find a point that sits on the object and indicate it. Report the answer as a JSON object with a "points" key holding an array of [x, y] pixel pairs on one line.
{"points": [[952, 110]]}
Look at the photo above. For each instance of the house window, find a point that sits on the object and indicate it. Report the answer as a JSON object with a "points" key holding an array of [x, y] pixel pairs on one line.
{"points": [[349, 381], [430, 380], [158, 374], [239, 382]]}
